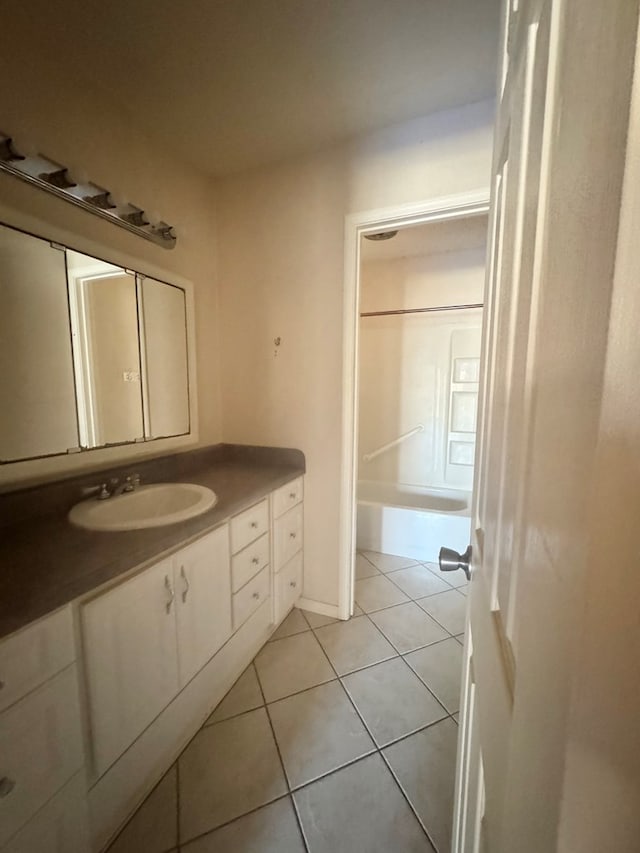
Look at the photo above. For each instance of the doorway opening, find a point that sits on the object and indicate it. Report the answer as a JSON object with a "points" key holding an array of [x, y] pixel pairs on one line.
{"points": [[413, 316]]}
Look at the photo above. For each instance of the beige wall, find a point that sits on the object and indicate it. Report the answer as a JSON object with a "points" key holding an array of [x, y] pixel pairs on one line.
{"points": [[86, 129], [281, 257]]}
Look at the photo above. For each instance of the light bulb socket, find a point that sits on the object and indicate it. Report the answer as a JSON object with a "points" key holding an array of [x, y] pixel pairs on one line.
{"points": [[8, 152]]}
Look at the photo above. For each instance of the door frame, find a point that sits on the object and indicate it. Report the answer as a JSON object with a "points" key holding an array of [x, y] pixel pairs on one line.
{"points": [[460, 205]]}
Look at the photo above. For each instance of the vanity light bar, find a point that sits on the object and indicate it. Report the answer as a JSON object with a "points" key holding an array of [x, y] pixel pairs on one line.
{"points": [[61, 182]]}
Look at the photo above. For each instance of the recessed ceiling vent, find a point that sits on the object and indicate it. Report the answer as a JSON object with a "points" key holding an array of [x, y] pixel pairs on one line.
{"points": [[381, 235]]}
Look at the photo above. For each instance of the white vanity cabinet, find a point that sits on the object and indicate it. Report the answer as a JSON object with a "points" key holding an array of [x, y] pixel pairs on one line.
{"points": [[147, 637], [41, 746]]}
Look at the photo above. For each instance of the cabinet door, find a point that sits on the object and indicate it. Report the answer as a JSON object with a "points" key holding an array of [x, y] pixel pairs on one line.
{"points": [[131, 662], [287, 537], [203, 599], [288, 586], [40, 749], [62, 826]]}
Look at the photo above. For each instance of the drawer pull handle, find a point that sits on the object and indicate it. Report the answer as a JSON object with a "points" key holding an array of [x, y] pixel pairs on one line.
{"points": [[185, 591], [1, 684], [255, 560], [170, 593], [293, 584], [292, 535], [6, 786], [256, 595], [254, 524]]}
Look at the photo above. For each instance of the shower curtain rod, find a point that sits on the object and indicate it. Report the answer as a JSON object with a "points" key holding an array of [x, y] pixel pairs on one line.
{"points": [[420, 310]]}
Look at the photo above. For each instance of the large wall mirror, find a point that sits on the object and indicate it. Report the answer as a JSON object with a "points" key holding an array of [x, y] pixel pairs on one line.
{"points": [[91, 354]]}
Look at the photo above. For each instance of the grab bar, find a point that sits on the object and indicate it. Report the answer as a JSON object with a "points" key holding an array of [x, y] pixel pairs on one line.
{"points": [[369, 456]]}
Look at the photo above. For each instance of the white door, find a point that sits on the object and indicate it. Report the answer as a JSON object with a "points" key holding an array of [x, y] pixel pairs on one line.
{"points": [[203, 600], [558, 167], [131, 666]]}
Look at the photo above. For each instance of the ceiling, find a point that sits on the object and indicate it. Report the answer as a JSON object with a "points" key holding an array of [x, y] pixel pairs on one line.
{"points": [[449, 235], [231, 84]]}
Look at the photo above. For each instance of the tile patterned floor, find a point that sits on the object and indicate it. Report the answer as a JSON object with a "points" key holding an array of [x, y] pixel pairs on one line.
{"points": [[339, 736]]}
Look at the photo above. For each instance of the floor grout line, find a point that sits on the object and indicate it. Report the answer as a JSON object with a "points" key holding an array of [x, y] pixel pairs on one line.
{"points": [[178, 841], [282, 764], [378, 749], [408, 801]]}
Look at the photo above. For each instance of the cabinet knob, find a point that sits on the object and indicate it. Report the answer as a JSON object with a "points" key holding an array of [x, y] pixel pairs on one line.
{"points": [[255, 561], [256, 595], [6, 786], [254, 524], [294, 584], [293, 496], [292, 535]]}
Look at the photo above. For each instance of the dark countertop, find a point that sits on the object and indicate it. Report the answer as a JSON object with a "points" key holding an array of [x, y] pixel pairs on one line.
{"points": [[46, 562]]}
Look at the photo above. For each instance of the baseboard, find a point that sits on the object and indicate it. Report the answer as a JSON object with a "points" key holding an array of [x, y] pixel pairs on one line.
{"points": [[318, 607]]}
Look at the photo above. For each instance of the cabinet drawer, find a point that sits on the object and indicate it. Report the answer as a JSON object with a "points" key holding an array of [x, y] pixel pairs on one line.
{"points": [[250, 524], [288, 586], [62, 826], [30, 657], [287, 496], [249, 561], [250, 597], [287, 536], [40, 749]]}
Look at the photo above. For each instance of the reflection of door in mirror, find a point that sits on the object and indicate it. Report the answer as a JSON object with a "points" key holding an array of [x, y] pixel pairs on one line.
{"points": [[37, 411], [164, 347], [104, 320]]}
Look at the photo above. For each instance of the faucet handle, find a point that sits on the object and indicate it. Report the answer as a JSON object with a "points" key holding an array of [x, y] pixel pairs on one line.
{"points": [[131, 481]]}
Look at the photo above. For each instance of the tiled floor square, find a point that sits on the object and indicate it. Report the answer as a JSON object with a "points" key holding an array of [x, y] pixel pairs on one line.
{"points": [[318, 731], [418, 581], [375, 593], [317, 620], [354, 644], [408, 627], [154, 827], [271, 829], [294, 623], [227, 770], [388, 562], [245, 695], [392, 700], [359, 808], [290, 665], [440, 667], [364, 568], [425, 765], [447, 608], [457, 579]]}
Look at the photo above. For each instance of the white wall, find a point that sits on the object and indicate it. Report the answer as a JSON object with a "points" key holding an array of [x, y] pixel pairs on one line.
{"points": [[85, 128], [281, 256]]}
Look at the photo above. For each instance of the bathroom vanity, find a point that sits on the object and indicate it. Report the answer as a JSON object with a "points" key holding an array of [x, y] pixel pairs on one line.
{"points": [[117, 646]]}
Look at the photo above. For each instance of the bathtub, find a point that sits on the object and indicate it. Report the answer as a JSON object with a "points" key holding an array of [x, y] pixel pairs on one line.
{"points": [[411, 521]]}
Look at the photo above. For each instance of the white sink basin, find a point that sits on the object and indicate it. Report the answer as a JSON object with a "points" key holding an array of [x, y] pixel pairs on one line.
{"points": [[148, 506]]}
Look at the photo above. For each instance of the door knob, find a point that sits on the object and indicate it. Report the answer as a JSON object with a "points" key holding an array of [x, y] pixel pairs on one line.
{"points": [[450, 561]]}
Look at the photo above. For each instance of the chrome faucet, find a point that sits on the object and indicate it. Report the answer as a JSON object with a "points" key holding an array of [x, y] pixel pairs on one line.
{"points": [[129, 484], [114, 487]]}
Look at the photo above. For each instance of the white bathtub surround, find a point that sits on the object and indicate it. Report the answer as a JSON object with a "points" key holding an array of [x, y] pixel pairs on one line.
{"points": [[411, 521]]}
